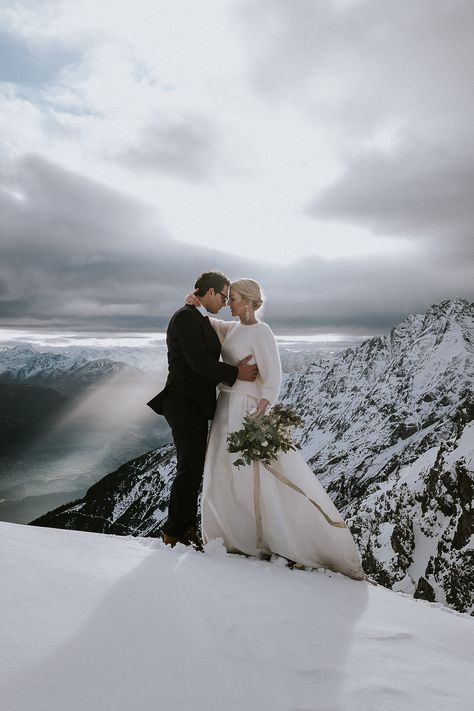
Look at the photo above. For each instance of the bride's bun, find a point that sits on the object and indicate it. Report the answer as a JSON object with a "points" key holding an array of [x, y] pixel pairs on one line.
{"points": [[249, 289]]}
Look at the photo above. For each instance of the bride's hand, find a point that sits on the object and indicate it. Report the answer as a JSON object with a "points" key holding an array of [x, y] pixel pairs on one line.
{"points": [[262, 406], [192, 300]]}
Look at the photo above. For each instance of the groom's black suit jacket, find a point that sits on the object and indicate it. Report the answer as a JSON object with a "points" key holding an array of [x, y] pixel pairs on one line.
{"points": [[194, 368]]}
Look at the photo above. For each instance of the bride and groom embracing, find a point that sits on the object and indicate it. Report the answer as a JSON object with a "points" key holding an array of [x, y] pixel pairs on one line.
{"points": [[283, 510]]}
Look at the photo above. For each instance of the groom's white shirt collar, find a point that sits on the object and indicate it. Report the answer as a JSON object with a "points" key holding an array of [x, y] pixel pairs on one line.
{"points": [[202, 310]]}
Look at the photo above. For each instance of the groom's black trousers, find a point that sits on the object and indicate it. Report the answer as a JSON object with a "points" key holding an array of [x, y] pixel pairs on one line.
{"points": [[189, 427]]}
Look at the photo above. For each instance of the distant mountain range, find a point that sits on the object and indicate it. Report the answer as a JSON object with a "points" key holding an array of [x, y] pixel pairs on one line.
{"points": [[74, 367], [68, 372], [389, 432]]}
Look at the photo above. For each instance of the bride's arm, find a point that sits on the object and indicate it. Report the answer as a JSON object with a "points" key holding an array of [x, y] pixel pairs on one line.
{"points": [[269, 367], [221, 327]]}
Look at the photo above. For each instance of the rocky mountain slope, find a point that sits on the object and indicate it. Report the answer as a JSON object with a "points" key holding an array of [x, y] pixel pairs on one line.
{"points": [[376, 407], [387, 430]]}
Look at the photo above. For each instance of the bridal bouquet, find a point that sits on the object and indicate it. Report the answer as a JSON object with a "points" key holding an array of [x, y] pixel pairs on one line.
{"points": [[263, 437]]}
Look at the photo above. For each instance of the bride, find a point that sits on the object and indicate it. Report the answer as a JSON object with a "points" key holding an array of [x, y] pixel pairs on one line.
{"points": [[281, 509]]}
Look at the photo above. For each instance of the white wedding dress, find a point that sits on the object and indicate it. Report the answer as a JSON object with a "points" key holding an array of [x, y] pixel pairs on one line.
{"points": [[282, 509]]}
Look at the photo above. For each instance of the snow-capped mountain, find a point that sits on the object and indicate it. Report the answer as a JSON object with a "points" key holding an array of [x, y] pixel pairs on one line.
{"points": [[61, 366], [66, 371], [24, 363], [376, 407], [26, 360], [387, 431]]}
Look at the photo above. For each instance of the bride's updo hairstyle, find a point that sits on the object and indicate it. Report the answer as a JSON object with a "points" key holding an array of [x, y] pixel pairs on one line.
{"points": [[249, 289]]}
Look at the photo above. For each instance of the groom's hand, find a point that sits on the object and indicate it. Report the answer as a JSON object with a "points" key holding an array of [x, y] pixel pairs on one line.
{"points": [[246, 371]]}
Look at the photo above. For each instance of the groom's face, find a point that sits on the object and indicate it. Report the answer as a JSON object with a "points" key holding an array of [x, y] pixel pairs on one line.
{"points": [[215, 300]]}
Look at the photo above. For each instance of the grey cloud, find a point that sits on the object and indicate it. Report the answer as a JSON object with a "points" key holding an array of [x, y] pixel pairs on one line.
{"points": [[26, 64], [355, 62], [364, 69], [359, 294], [75, 255], [65, 210], [74, 251], [421, 190], [187, 149]]}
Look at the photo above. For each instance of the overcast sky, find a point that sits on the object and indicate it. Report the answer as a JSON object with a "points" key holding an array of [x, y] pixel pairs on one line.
{"points": [[324, 148]]}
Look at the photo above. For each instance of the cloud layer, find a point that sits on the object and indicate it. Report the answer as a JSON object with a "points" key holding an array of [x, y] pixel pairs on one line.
{"points": [[78, 255], [322, 148]]}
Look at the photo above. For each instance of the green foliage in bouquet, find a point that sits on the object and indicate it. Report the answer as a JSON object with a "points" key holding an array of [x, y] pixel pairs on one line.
{"points": [[263, 437]]}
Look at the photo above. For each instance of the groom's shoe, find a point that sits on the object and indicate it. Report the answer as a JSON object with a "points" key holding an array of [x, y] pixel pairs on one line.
{"points": [[192, 538], [170, 540]]}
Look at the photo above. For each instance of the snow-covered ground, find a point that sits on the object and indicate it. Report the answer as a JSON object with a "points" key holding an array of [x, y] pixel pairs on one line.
{"points": [[90, 621]]}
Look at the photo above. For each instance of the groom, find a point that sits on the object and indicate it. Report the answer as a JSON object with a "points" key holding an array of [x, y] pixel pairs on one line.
{"points": [[188, 400]]}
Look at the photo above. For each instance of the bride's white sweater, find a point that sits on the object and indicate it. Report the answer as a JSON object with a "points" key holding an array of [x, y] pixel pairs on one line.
{"points": [[238, 341]]}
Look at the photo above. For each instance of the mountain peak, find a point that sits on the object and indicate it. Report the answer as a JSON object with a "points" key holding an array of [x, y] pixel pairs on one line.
{"points": [[447, 324], [451, 307]]}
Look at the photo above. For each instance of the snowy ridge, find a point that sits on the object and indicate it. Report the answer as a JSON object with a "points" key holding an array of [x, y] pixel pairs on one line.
{"points": [[118, 623], [378, 406]]}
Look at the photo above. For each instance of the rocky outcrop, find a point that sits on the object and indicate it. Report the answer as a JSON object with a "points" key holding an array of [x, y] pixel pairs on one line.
{"points": [[416, 532]]}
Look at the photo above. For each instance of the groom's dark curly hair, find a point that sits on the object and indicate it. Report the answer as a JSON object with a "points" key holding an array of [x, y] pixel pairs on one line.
{"points": [[211, 280]]}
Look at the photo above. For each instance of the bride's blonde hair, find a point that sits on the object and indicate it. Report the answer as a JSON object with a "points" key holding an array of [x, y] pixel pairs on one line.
{"points": [[249, 289]]}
